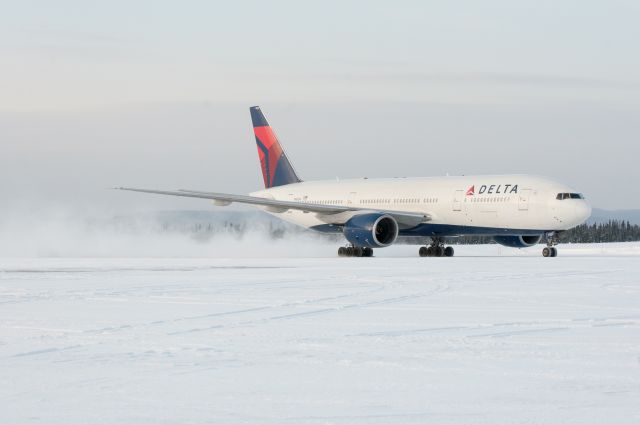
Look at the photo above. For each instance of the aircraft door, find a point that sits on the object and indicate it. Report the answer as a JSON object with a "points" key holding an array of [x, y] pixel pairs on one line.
{"points": [[523, 199], [457, 200], [352, 198]]}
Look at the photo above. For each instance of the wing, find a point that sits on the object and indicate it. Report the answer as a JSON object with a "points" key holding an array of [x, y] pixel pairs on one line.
{"points": [[335, 214]]}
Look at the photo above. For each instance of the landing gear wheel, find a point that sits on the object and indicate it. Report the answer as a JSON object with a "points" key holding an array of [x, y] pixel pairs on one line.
{"points": [[436, 248], [550, 250], [355, 251]]}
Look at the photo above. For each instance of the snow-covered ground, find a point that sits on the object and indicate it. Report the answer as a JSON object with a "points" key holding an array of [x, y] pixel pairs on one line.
{"points": [[491, 336]]}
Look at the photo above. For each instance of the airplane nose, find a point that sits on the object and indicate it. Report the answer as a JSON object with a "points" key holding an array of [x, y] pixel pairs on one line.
{"points": [[583, 211]]}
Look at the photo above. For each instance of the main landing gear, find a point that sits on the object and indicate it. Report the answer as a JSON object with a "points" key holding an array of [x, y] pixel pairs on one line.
{"points": [[550, 250], [355, 251], [436, 249]]}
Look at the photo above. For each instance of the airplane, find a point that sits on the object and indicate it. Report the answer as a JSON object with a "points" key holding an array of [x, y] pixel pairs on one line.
{"points": [[515, 210]]}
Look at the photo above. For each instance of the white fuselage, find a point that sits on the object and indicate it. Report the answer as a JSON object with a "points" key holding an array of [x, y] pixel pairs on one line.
{"points": [[491, 202]]}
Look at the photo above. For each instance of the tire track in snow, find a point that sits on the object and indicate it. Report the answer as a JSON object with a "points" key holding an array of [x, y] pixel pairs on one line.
{"points": [[340, 308]]}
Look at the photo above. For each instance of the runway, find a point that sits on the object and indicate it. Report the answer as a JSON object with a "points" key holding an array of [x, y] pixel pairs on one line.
{"points": [[489, 336]]}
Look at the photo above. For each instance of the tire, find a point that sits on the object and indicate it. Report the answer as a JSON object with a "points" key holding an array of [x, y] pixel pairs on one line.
{"points": [[430, 251], [546, 252], [554, 252], [349, 251], [357, 251], [439, 251], [448, 251], [368, 252], [423, 251]]}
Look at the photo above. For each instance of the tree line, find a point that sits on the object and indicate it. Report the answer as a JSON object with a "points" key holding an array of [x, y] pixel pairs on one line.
{"points": [[610, 231]]}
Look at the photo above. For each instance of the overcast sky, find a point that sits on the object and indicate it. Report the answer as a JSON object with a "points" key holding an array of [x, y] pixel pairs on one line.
{"points": [[156, 94]]}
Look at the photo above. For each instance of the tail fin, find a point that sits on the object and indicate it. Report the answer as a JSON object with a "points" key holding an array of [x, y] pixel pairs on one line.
{"points": [[276, 168]]}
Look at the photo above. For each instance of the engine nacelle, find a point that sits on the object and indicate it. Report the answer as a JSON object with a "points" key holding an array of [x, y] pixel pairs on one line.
{"points": [[371, 230], [518, 241]]}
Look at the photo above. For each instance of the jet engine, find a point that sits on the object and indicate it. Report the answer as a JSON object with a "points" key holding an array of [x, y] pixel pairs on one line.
{"points": [[518, 241], [371, 230]]}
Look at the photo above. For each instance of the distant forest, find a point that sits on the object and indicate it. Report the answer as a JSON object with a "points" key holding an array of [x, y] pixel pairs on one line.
{"points": [[610, 231]]}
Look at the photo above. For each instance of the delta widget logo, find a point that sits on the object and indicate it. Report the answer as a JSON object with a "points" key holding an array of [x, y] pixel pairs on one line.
{"points": [[493, 189]]}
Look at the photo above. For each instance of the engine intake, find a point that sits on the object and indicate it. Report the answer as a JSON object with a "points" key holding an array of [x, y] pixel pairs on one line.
{"points": [[371, 230], [518, 241]]}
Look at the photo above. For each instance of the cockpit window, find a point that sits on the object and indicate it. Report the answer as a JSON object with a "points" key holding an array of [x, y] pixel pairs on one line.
{"points": [[562, 196]]}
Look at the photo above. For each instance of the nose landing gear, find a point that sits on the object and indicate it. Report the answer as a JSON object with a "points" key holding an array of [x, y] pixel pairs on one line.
{"points": [[550, 250], [436, 249]]}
